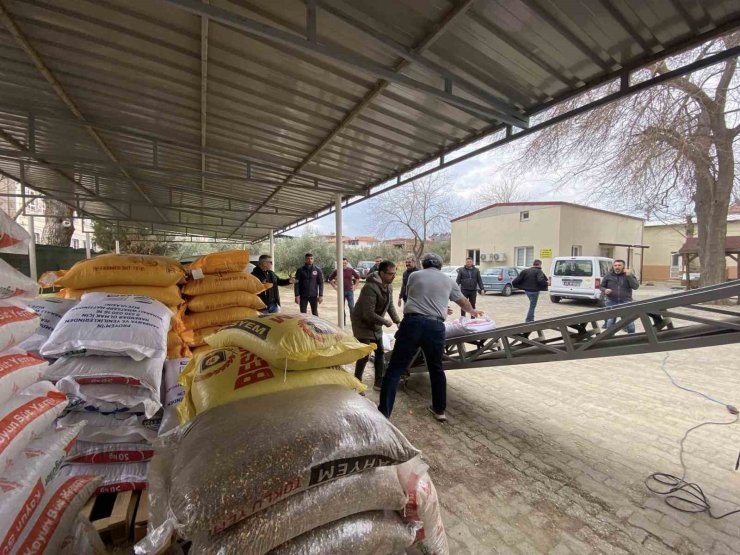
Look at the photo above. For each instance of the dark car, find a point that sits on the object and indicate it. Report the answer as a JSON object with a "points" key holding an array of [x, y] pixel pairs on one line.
{"points": [[363, 268], [498, 280]]}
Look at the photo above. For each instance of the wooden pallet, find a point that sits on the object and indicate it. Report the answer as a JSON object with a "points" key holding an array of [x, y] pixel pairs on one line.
{"points": [[142, 517], [112, 515]]}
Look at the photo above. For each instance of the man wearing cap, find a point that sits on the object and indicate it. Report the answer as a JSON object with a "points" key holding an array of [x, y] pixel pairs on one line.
{"points": [[429, 291]]}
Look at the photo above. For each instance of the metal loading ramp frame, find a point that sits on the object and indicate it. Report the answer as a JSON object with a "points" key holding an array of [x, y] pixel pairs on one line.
{"points": [[236, 119], [672, 322]]}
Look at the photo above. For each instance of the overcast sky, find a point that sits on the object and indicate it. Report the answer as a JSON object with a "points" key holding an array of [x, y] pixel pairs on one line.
{"points": [[468, 178]]}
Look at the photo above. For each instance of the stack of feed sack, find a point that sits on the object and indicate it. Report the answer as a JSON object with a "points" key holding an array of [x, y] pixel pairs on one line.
{"points": [[110, 353], [219, 291]]}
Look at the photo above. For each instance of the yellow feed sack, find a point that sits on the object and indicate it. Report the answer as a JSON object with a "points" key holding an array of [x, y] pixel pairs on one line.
{"points": [[295, 342], [221, 283], [200, 320], [220, 376], [217, 301], [222, 262], [181, 351], [197, 338], [122, 269], [166, 295]]}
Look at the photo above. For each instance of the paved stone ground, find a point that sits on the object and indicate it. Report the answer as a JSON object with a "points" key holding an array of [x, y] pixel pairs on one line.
{"points": [[552, 458]]}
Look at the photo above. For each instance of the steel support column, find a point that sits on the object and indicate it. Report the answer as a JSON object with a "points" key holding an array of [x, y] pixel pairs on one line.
{"points": [[32, 250], [272, 249], [340, 255], [87, 245]]}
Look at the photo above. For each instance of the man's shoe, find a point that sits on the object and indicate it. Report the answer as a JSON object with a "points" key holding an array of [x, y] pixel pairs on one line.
{"points": [[439, 417], [376, 386]]}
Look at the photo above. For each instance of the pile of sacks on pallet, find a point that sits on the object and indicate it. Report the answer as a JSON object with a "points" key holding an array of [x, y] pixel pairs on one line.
{"points": [[108, 353], [219, 291], [277, 452], [40, 509]]}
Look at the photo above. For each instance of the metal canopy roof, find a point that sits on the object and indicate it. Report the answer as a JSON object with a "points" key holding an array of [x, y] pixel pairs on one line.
{"points": [[231, 118]]}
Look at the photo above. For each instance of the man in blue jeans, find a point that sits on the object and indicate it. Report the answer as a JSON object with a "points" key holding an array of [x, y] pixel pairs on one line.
{"points": [[617, 286], [350, 279], [532, 280], [424, 314]]}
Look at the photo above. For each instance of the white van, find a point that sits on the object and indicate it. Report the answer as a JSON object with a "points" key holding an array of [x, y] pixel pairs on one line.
{"points": [[578, 277]]}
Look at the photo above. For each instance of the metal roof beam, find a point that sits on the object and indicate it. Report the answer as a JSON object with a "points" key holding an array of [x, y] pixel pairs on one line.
{"points": [[426, 42], [203, 94], [492, 110], [26, 46]]}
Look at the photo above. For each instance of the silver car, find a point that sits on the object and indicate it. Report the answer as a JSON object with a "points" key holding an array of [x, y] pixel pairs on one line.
{"points": [[450, 271]]}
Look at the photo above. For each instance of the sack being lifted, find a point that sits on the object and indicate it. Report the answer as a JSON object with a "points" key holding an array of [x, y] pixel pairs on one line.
{"points": [[220, 263]]}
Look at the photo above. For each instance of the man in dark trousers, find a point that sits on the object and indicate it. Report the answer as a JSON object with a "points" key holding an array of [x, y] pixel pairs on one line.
{"points": [[369, 317], [470, 282], [350, 278], [532, 280], [410, 269], [376, 266], [423, 326], [263, 272], [618, 285], [309, 286]]}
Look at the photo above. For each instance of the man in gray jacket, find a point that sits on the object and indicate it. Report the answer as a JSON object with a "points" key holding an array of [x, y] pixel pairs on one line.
{"points": [[369, 316], [617, 286]]}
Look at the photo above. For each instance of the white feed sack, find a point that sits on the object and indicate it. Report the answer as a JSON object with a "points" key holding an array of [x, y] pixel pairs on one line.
{"points": [[13, 238], [17, 323], [111, 325], [114, 477], [172, 392], [112, 428], [50, 312], [18, 370], [15, 284], [110, 384]]}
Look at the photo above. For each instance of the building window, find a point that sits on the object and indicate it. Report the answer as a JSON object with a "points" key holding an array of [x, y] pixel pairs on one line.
{"points": [[524, 216], [75, 243], [607, 252], [36, 237], [524, 256], [475, 255], [576, 250]]}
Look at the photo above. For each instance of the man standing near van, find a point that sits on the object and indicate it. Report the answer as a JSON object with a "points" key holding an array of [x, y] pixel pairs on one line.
{"points": [[532, 280], [618, 285], [309, 286], [470, 282]]}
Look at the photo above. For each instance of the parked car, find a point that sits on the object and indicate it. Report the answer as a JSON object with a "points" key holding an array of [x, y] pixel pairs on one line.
{"points": [[578, 277], [498, 280], [363, 268], [450, 271]]}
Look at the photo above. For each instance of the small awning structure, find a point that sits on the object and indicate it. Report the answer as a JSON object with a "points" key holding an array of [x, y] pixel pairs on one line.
{"points": [[732, 246], [233, 118]]}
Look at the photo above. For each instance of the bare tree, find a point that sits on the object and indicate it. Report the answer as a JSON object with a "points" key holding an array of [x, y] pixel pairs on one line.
{"points": [[59, 225], [667, 151], [420, 209], [504, 190]]}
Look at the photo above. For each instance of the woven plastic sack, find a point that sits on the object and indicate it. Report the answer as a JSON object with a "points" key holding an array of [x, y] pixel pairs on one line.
{"points": [[56, 516], [221, 317], [165, 295], [24, 480], [85, 452], [13, 238], [26, 416], [109, 398], [423, 507], [15, 284], [464, 326], [176, 346], [370, 533], [112, 428], [111, 325], [220, 262], [221, 376], [114, 477], [48, 279], [50, 311], [172, 393], [18, 370], [219, 301], [295, 342], [197, 337], [83, 539], [305, 438], [123, 269], [221, 283], [17, 323], [374, 490]]}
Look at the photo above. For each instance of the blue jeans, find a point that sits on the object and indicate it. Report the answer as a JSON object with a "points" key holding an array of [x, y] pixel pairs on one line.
{"points": [[414, 332], [271, 308], [533, 297], [349, 298], [630, 328]]}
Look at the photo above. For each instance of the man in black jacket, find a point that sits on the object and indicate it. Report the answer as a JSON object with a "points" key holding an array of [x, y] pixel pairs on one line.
{"points": [[309, 286], [617, 286], [532, 280], [410, 269], [470, 282], [263, 272]]}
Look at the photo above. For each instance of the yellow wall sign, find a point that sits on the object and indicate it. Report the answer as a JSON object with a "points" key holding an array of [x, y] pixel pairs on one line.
{"points": [[545, 253]]}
